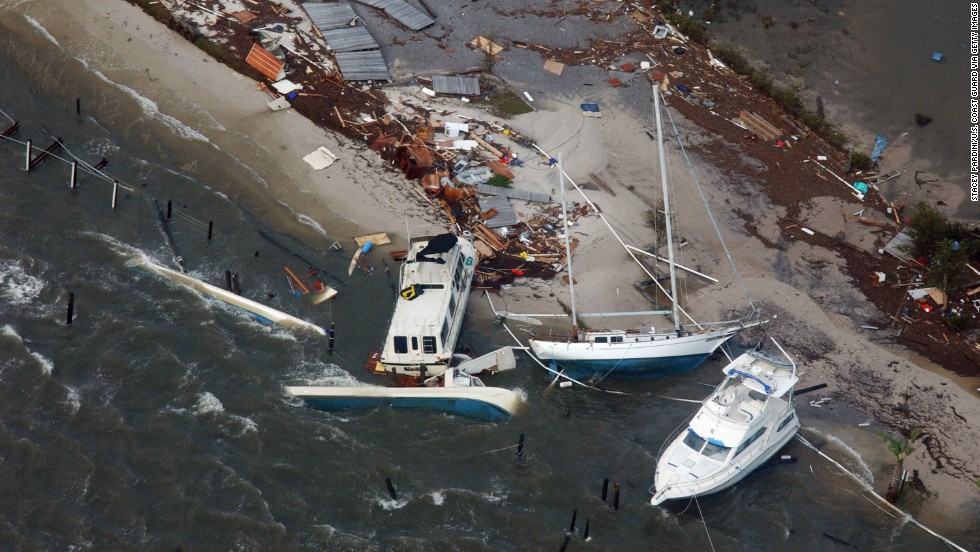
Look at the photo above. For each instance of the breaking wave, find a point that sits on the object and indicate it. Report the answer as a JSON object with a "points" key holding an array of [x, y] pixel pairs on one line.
{"points": [[17, 286], [46, 364]]}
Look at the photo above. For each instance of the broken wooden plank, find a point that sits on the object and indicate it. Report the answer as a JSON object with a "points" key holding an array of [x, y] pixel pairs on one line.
{"points": [[601, 184], [380, 238], [760, 126], [486, 145]]}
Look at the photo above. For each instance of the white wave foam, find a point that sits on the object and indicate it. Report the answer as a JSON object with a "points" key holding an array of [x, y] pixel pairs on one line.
{"points": [[73, 399], [207, 404], [438, 497], [37, 25], [320, 373], [16, 285], [390, 505], [46, 365], [863, 470], [305, 219], [152, 109]]}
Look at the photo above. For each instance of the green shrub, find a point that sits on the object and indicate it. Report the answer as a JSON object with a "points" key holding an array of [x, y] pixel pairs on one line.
{"points": [[860, 161], [499, 180]]}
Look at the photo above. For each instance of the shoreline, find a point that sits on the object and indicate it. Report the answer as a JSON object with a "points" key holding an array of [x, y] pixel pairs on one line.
{"points": [[370, 205]]}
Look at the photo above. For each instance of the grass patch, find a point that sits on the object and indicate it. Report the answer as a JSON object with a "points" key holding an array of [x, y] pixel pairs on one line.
{"points": [[508, 105]]}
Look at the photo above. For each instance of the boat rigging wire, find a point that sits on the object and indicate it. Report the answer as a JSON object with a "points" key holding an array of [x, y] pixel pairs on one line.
{"points": [[698, 504]]}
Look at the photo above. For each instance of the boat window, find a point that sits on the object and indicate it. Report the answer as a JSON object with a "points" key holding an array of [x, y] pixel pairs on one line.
{"points": [[716, 452], [452, 305], [445, 331], [401, 344], [694, 442], [788, 419], [749, 441], [616, 339], [761, 397], [415, 343], [601, 340], [430, 286], [428, 344]]}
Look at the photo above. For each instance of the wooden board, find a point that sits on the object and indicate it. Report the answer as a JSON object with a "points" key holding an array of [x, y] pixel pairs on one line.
{"points": [[553, 66], [375, 239], [266, 63], [760, 126]]}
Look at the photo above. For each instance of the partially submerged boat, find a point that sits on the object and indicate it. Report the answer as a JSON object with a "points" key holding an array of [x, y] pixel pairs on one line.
{"points": [[435, 284], [454, 391], [740, 426]]}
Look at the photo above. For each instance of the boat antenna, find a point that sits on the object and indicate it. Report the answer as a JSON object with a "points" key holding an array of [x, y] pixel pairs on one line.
{"points": [[568, 249], [670, 239]]}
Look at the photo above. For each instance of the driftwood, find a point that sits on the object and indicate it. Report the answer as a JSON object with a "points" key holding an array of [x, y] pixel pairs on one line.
{"points": [[869, 222]]}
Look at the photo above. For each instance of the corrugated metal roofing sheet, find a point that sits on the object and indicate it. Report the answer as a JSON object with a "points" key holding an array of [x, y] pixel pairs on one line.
{"points": [[505, 212], [366, 65], [513, 194], [465, 86], [333, 15], [350, 39], [403, 12], [896, 245]]}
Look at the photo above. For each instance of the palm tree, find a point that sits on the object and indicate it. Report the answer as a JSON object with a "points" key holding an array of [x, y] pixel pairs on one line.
{"points": [[901, 448]]}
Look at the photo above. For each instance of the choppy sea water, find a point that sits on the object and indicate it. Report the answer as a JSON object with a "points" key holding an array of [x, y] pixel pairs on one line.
{"points": [[157, 421]]}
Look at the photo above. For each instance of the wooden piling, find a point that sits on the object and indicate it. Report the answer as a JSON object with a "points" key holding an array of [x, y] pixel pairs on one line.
{"points": [[585, 535], [71, 307], [571, 528], [115, 193], [520, 446], [564, 545], [605, 488], [10, 130], [616, 496], [27, 161], [391, 489], [74, 175], [78, 106], [228, 280], [235, 284], [45, 153], [210, 228], [170, 208], [332, 335]]}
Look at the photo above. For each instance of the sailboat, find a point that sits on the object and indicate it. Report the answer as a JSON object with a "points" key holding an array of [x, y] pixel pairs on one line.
{"points": [[635, 354]]}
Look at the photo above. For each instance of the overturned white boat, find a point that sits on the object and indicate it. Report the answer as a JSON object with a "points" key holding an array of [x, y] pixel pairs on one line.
{"points": [[737, 429], [455, 391]]}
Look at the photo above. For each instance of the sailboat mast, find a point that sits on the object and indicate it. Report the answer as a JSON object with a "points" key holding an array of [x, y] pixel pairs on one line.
{"points": [[663, 181], [568, 249]]}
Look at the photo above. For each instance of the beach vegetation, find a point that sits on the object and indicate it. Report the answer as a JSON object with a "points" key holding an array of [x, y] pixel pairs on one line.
{"points": [[945, 246], [654, 220], [901, 447], [861, 161], [499, 181], [506, 105], [695, 31], [787, 98]]}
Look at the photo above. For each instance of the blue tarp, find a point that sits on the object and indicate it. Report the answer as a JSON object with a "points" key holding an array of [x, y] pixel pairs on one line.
{"points": [[594, 108], [880, 143]]}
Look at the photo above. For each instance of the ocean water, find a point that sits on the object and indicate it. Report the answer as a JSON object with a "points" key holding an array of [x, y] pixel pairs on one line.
{"points": [[156, 421], [871, 63]]}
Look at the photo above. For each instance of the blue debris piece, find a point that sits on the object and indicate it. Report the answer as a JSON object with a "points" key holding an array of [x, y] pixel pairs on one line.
{"points": [[938, 56], [591, 107], [880, 143], [684, 90]]}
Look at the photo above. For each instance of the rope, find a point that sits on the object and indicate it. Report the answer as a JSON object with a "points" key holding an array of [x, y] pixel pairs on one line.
{"points": [[871, 490], [7, 116], [710, 216], [698, 504]]}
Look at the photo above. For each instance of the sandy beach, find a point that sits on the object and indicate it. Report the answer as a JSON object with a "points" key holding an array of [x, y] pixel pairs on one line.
{"points": [[813, 307]]}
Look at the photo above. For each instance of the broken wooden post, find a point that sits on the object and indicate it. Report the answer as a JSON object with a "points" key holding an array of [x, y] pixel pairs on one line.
{"points": [[71, 307]]}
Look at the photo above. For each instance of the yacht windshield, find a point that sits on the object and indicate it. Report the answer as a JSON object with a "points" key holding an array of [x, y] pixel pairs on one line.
{"points": [[716, 452], [694, 442]]}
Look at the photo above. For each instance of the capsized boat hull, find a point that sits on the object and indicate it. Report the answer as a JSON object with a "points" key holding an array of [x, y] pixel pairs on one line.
{"points": [[632, 360], [490, 404]]}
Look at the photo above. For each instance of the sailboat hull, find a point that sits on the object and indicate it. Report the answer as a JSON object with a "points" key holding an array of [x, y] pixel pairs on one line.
{"points": [[639, 356]]}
